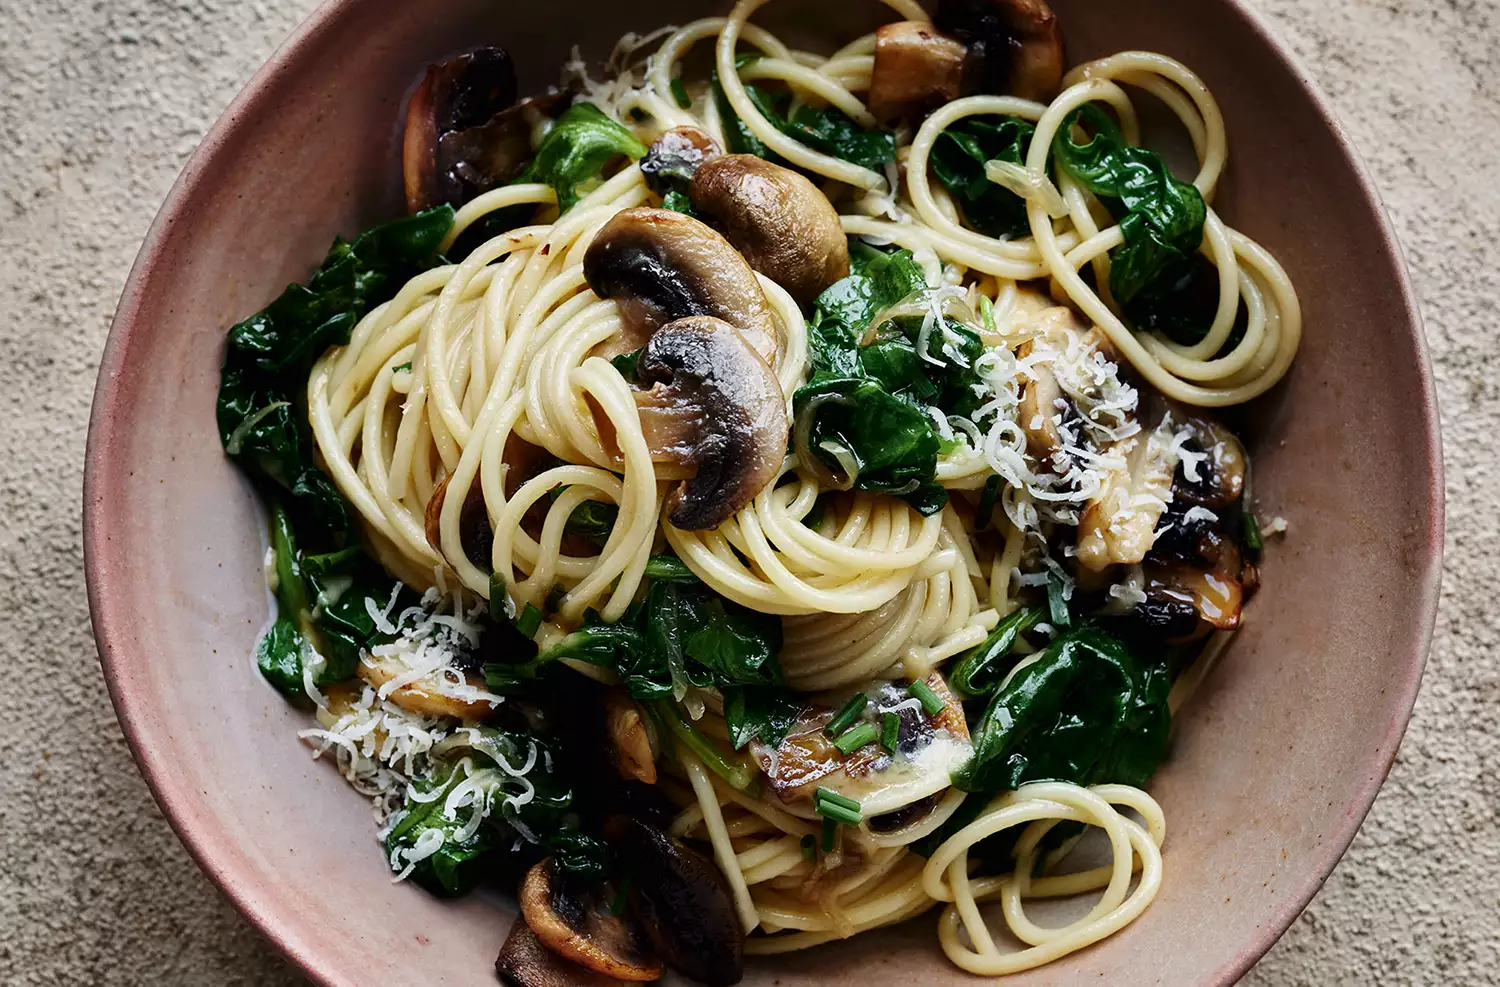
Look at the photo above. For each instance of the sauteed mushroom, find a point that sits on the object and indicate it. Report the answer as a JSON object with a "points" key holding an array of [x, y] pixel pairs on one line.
{"points": [[1119, 524], [917, 69], [661, 265], [474, 531], [630, 736], [683, 902], [578, 923], [730, 413], [928, 749], [1014, 46], [780, 222], [525, 962], [674, 157], [1219, 479], [464, 92]]}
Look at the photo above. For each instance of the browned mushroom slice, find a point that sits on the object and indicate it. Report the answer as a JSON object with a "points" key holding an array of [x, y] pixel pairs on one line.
{"points": [[741, 429], [577, 922], [674, 158], [1014, 46], [683, 902], [630, 736], [474, 531], [1215, 593], [475, 160], [928, 749], [1039, 409], [464, 91], [525, 962], [784, 226], [1119, 524], [661, 265], [917, 69], [1217, 479]]}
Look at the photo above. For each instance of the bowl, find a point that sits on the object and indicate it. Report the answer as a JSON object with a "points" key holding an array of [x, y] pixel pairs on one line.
{"points": [[1274, 763]]}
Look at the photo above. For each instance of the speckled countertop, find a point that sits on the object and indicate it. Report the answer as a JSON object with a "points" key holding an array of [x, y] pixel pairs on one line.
{"points": [[100, 105]]}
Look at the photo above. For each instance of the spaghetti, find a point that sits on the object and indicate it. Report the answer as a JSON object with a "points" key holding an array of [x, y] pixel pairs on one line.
{"points": [[494, 381]]}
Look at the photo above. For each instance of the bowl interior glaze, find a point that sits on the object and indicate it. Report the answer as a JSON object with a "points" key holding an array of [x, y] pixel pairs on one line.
{"points": [[1273, 766]]}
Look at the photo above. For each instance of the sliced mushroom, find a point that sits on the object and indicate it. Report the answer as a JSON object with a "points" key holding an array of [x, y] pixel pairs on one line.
{"points": [[1039, 409], [1119, 524], [661, 265], [780, 222], [928, 750], [1212, 473], [464, 92], [425, 696], [630, 736], [674, 157], [1014, 46], [525, 962], [683, 901], [917, 69], [474, 531], [1215, 594], [577, 922], [740, 430]]}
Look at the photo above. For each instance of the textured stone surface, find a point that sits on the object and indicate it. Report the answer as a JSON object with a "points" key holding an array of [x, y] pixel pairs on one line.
{"points": [[100, 105]]}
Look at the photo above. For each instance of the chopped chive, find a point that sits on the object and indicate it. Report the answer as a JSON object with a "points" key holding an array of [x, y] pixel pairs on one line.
{"points": [[987, 310], [856, 737], [890, 731], [836, 812], [924, 694], [1251, 527], [847, 714], [401, 366], [530, 620], [810, 847], [1057, 607], [987, 497], [680, 93], [830, 830], [828, 795], [497, 598]]}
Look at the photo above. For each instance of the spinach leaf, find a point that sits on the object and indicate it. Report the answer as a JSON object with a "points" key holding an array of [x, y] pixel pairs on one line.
{"points": [[979, 670], [1160, 217], [681, 634], [958, 159], [766, 712], [503, 765], [261, 416], [577, 149], [847, 414], [824, 129], [593, 519], [881, 443], [457, 866], [1086, 711], [321, 608]]}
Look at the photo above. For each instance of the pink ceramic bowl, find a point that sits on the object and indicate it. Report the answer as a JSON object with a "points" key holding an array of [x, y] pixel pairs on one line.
{"points": [[1275, 762]]}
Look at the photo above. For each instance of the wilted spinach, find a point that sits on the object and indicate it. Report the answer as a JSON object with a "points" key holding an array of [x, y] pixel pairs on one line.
{"points": [[262, 421], [863, 433], [261, 409], [576, 150], [502, 766], [958, 159], [1087, 711], [682, 633], [1160, 217], [825, 129]]}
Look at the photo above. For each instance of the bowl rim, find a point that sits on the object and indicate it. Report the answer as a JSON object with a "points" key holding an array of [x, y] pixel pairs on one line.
{"points": [[102, 471]]}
